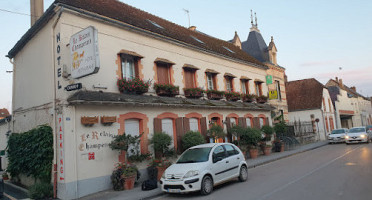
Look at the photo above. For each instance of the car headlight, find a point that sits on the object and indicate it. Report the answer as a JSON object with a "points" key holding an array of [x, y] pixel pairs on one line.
{"points": [[362, 136], [346, 137], [191, 174]]}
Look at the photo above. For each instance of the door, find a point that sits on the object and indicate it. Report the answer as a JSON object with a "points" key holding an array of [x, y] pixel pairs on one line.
{"points": [[167, 127], [132, 128], [233, 161], [219, 164]]}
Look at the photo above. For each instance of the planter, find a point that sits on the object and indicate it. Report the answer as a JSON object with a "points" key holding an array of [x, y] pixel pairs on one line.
{"points": [[282, 148], [108, 120], [248, 100], [89, 121], [214, 96], [167, 93], [133, 86], [261, 101], [129, 182], [160, 172], [5, 178], [193, 94], [253, 153], [267, 150], [233, 98]]}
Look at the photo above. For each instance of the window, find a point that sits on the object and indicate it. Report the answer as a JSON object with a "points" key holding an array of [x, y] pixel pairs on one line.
{"points": [[163, 73], [329, 103], [258, 88], [167, 127], [245, 88], [218, 153], [262, 122], [277, 84], [326, 121], [132, 128], [194, 124], [230, 150], [249, 121], [211, 81], [189, 75], [229, 83], [324, 105], [128, 64], [231, 51]]}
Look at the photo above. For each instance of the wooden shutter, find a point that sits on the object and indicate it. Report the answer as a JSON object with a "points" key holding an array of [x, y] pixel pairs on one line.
{"points": [[163, 73], [157, 125], [203, 128], [186, 125], [256, 122], [189, 78], [242, 122], [179, 133], [228, 127], [267, 121], [136, 68]]}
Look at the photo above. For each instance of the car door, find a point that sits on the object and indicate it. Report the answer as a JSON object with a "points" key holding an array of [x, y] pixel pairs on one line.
{"points": [[219, 163], [233, 161]]}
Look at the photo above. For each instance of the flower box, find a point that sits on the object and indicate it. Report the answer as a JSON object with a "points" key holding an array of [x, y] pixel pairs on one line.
{"points": [[261, 99], [248, 98], [89, 121], [133, 86], [232, 96], [193, 93], [214, 94], [108, 119], [168, 90]]}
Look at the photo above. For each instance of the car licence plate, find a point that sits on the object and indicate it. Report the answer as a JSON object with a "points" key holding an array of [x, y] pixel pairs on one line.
{"points": [[174, 190]]}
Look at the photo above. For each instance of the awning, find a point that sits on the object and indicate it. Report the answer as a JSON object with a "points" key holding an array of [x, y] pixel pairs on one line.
{"points": [[189, 66], [245, 78], [211, 71], [163, 60], [258, 80], [229, 75], [131, 53]]}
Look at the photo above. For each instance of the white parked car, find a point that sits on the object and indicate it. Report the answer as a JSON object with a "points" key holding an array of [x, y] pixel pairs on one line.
{"points": [[203, 166], [357, 135], [337, 135]]}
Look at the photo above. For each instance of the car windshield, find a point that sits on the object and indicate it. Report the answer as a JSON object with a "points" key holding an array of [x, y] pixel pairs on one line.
{"points": [[195, 155], [357, 130], [338, 131]]}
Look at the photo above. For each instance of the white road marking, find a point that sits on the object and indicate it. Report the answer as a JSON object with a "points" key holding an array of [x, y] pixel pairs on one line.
{"points": [[10, 197]]}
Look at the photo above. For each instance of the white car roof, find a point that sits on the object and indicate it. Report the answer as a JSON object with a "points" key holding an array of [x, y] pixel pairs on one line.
{"points": [[207, 145]]}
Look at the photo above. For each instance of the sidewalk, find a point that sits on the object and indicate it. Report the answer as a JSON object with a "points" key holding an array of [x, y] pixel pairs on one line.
{"points": [[137, 193]]}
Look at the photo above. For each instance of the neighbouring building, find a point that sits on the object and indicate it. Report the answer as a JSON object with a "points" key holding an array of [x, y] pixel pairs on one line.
{"points": [[351, 108], [79, 49], [4, 113], [5, 129], [309, 100], [256, 46]]}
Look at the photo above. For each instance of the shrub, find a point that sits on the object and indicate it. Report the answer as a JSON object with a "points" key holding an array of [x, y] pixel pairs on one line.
{"points": [[251, 137], [192, 138], [135, 85], [268, 130], [280, 128], [122, 142], [41, 191], [161, 142], [216, 131]]}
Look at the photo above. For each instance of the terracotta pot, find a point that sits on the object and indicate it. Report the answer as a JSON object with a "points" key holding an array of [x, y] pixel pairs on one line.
{"points": [[282, 147], [160, 171], [129, 182], [267, 150], [5, 178], [253, 153]]}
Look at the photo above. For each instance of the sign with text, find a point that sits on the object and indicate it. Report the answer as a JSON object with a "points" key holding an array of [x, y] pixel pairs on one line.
{"points": [[273, 94], [61, 153], [76, 86], [269, 79], [84, 53]]}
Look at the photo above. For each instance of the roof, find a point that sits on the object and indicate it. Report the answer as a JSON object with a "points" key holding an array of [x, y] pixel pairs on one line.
{"points": [[256, 46], [4, 113], [140, 20], [334, 83], [304, 94], [108, 98]]}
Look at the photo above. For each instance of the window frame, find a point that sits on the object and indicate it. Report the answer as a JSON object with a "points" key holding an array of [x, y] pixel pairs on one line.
{"points": [[211, 78], [277, 85], [258, 88], [229, 83], [124, 59]]}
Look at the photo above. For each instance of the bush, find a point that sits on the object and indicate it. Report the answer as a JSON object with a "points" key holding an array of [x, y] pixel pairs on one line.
{"points": [[268, 130], [251, 137], [161, 142], [41, 191], [280, 128], [216, 131], [192, 138]]}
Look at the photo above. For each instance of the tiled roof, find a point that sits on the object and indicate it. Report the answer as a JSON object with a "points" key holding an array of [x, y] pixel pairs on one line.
{"points": [[108, 98], [304, 94], [124, 13], [350, 91], [4, 113]]}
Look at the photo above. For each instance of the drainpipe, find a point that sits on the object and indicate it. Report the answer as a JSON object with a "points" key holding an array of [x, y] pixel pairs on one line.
{"points": [[11, 60], [324, 125], [55, 144]]}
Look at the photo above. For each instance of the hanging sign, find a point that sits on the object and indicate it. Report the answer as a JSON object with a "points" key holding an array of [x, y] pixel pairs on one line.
{"points": [[273, 94], [269, 79], [84, 53]]}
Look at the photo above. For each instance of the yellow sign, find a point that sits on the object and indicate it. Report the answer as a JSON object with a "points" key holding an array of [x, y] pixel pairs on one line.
{"points": [[273, 94]]}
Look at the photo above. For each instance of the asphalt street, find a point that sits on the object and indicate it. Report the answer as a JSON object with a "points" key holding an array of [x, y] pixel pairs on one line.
{"points": [[340, 171]]}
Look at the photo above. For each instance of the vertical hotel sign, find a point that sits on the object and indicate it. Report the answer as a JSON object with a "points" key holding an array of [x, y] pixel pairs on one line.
{"points": [[84, 53], [61, 146]]}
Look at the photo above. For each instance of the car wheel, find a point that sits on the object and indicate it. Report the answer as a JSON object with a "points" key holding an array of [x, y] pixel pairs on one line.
{"points": [[243, 174], [206, 185]]}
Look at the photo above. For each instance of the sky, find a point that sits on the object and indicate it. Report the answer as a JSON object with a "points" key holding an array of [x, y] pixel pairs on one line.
{"points": [[315, 39]]}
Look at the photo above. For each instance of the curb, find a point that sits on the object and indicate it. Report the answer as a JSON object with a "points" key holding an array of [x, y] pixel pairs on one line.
{"points": [[16, 187]]}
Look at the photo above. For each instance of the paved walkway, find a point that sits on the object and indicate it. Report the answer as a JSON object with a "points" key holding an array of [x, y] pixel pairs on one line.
{"points": [[137, 193]]}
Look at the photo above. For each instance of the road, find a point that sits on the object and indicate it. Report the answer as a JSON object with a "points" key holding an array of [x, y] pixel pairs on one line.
{"points": [[340, 171]]}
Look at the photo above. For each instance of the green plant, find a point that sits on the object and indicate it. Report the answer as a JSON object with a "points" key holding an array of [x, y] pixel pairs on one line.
{"points": [[280, 128], [251, 137], [121, 172], [193, 92], [172, 89], [192, 138], [237, 131], [31, 153], [268, 130], [233, 96], [133, 85], [161, 142], [248, 97], [41, 191], [122, 142], [261, 98], [139, 157], [5, 175], [162, 162], [215, 92], [216, 131]]}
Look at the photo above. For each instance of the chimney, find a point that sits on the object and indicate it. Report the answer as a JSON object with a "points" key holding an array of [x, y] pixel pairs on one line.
{"points": [[340, 84], [193, 28], [353, 88], [37, 9], [336, 79]]}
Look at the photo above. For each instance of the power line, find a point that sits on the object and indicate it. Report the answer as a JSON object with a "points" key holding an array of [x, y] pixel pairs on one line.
{"points": [[13, 12]]}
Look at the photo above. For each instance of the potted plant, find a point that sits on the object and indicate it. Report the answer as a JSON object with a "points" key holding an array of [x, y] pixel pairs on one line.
{"points": [[216, 131], [232, 96], [122, 143], [192, 138], [193, 93], [248, 98], [250, 137], [168, 90], [161, 165], [161, 142], [265, 145], [133, 86], [214, 94], [124, 176], [5, 176], [261, 99]]}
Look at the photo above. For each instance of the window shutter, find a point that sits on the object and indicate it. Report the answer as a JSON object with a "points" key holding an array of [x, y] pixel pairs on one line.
{"points": [[186, 125], [228, 127], [157, 125], [242, 122], [179, 133], [267, 121], [256, 122], [136, 67], [203, 128]]}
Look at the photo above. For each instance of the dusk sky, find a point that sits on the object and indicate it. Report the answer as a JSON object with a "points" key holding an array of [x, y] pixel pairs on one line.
{"points": [[315, 39]]}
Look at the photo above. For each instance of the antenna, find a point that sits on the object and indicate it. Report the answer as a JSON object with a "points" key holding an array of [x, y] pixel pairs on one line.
{"points": [[251, 17], [188, 15], [255, 18]]}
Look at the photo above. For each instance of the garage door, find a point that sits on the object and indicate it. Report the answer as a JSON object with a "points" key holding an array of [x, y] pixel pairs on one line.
{"points": [[167, 127], [132, 128]]}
